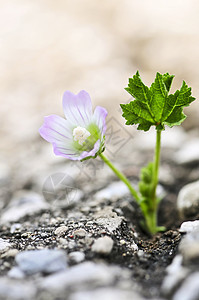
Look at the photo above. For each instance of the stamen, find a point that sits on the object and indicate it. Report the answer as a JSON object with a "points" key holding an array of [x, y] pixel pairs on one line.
{"points": [[80, 134]]}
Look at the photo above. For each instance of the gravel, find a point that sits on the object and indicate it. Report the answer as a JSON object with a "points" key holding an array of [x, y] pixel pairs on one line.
{"points": [[46, 261], [103, 245]]}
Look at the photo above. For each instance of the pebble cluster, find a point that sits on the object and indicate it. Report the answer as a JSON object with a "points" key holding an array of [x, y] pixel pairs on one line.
{"points": [[59, 257], [181, 281]]}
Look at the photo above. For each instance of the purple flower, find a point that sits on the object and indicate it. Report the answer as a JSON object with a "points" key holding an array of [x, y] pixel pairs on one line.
{"points": [[81, 134]]}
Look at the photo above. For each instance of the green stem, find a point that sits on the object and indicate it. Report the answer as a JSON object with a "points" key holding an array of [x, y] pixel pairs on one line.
{"points": [[121, 176], [156, 165], [151, 216]]}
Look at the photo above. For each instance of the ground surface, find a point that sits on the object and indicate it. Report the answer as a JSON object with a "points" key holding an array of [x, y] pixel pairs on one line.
{"points": [[97, 214]]}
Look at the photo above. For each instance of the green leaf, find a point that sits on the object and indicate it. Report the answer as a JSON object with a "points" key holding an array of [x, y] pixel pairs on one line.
{"points": [[154, 106], [159, 95], [144, 126], [137, 89], [135, 113], [176, 117], [167, 80], [169, 105], [184, 96], [139, 109]]}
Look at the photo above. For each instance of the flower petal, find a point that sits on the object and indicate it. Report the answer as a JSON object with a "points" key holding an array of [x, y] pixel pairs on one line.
{"points": [[99, 118], [55, 129], [66, 151], [92, 152], [77, 108], [72, 154]]}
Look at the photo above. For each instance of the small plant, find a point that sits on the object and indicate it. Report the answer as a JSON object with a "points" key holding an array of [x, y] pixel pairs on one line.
{"points": [[81, 135]]}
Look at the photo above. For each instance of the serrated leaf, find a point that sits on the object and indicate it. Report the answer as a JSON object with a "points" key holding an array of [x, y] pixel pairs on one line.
{"points": [[144, 126], [169, 105], [154, 106], [130, 116], [135, 114], [167, 80], [140, 110], [184, 97], [137, 89], [176, 117], [159, 94], [173, 112]]}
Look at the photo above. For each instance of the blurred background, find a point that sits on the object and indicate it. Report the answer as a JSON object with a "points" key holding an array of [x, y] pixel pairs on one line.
{"points": [[47, 47]]}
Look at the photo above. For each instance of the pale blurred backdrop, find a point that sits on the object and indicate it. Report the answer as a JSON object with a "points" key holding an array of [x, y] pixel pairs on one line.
{"points": [[47, 47]]}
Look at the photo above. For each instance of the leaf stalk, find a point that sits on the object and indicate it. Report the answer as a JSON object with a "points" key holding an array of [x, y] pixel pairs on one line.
{"points": [[121, 176]]}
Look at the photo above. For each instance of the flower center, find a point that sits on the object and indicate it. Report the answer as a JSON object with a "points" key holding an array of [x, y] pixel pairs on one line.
{"points": [[80, 134]]}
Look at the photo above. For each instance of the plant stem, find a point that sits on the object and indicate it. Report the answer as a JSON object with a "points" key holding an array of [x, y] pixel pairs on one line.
{"points": [[156, 164], [151, 216], [121, 176]]}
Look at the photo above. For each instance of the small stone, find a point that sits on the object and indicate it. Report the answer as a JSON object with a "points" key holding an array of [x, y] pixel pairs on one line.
{"points": [[140, 253], [109, 293], [12, 289], [106, 212], [63, 241], [85, 209], [61, 230], [80, 232], [16, 272], [188, 153], [10, 253], [189, 226], [15, 227], [40, 247], [134, 246], [175, 265], [86, 273], [188, 199], [6, 264], [71, 245], [107, 218], [189, 247], [30, 247], [47, 261], [4, 245], [110, 223], [89, 223], [122, 242], [23, 203], [103, 245], [76, 256], [176, 273], [191, 255], [189, 290], [88, 240]]}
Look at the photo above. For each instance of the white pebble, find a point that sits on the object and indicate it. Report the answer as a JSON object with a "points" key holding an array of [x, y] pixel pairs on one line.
{"points": [[77, 256], [61, 230], [80, 232], [4, 245], [188, 199], [189, 226], [103, 245]]}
